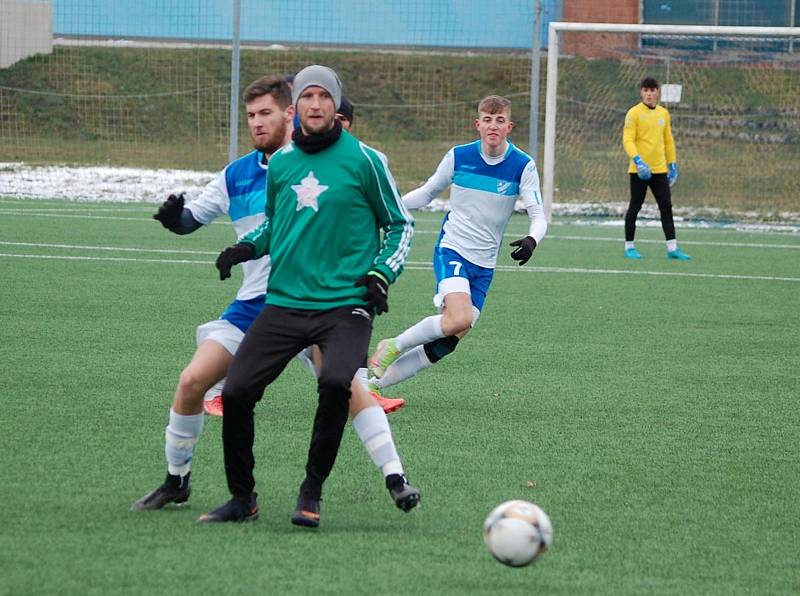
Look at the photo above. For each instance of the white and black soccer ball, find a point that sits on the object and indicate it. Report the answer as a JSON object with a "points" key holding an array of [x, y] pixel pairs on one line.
{"points": [[517, 533]]}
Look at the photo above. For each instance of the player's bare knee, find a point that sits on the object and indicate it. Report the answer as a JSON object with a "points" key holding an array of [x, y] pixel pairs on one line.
{"points": [[191, 385], [455, 323]]}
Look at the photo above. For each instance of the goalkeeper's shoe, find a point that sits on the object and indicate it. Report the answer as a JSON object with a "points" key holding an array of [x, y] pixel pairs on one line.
{"points": [[678, 254], [386, 353], [213, 406], [405, 496], [176, 489], [389, 404], [238, 509], [632, 253]]}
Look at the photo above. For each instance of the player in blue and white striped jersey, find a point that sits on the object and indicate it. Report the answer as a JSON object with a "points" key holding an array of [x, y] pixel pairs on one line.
{"points": [[487, 177]]}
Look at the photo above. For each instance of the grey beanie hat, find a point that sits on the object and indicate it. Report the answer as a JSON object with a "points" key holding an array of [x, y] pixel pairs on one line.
{"points": [[317, 76]]}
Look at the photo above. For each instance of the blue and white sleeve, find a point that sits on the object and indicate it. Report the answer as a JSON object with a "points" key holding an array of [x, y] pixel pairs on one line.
{"points": [[212, 202], [531, 195], [441, 179]]}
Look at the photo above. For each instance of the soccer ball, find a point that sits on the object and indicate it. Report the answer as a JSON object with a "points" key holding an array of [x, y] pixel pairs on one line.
{"points": [[517, 533]]}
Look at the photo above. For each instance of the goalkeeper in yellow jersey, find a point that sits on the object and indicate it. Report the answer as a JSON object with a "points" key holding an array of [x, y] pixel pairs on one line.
{"points": [[647, 139]]}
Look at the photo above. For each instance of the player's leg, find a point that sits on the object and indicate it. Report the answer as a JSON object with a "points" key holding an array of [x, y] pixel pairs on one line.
{"points": [[659, 184], [273, 339], [217, 341], [372, 427], [389, 404], [451, 279], [342, 335], [452, 297], [638, 189]]}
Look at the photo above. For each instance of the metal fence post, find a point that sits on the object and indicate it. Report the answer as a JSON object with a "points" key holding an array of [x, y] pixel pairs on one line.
{"points": [[233, 141]]}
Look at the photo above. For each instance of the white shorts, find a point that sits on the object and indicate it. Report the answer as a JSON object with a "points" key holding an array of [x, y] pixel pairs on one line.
{"points": [[229, 336], [451, 285], [223, 332]]}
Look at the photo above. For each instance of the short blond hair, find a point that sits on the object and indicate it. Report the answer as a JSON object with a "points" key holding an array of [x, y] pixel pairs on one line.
{"points": [[494, 104]]}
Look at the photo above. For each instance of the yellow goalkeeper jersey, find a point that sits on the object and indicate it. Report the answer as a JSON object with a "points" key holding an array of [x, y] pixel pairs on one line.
{"points": [[648, 134]]}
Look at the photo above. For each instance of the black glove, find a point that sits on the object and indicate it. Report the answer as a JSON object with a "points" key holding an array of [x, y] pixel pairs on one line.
{"points": [[524, 250], [169, 214], [377, 292], [238, 253]]}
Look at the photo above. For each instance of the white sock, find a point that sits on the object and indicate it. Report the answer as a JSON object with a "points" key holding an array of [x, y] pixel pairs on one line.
{"points": [[426, 330], [361, 377], [405, 367], [672, 245], [214, 391], [182, 434], [630, 244], [372, 427], [305, 357]]}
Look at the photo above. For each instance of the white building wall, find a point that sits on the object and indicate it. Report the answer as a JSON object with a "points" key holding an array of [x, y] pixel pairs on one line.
{"points": [[26, 28]]}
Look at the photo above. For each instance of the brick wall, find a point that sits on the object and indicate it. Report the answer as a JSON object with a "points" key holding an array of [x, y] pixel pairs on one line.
{"points": [[600, 45]]}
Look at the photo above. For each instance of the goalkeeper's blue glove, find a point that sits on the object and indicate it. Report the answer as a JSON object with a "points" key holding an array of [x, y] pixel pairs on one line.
{"points": [[642, 169], [672, 175]]}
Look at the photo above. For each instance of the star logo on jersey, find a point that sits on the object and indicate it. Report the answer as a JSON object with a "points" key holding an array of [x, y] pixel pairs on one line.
{"points": [[308, 192], [502, 186]]}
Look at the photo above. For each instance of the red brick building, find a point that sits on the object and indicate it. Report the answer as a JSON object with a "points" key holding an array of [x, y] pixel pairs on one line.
{"points": [[600, 45]]}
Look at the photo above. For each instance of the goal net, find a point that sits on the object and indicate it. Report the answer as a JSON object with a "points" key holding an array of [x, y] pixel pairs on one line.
{"points": [[733, 96]]}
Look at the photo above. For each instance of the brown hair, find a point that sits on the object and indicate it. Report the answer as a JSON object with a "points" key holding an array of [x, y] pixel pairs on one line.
{"points": [[494, 104], [272, 85]]}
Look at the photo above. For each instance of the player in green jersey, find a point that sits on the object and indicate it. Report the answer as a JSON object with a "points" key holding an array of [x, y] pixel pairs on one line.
{"points": [[329, 196]]}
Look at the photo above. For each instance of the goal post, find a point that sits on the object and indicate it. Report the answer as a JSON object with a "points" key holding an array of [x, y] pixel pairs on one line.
{"points": [[787, 63]]}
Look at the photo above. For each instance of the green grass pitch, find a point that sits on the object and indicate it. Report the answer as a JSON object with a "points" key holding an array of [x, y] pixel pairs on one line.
{"points": [[649, 407]]}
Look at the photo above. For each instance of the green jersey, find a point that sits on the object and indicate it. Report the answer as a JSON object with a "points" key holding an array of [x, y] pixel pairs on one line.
{"points": [[324, 215]]}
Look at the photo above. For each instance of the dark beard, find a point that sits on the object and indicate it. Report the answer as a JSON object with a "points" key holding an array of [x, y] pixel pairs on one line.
{"points": [[274, 144]]}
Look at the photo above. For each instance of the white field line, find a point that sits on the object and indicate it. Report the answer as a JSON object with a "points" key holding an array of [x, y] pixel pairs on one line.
{"points": [[111, 248], [431, 232], [422, 266]]}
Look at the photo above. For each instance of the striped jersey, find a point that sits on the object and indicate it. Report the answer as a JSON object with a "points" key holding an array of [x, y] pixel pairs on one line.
{"points": [[324, 215], [239, 191], [484, 191]]}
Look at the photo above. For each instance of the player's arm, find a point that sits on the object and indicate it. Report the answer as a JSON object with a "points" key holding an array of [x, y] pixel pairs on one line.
{"points": [[391, 214], [440, 180], [174, 216], [183, 218], [669, 141], [531, 195], [259, 237], [629, 134], [253, 245], [669, 150]]}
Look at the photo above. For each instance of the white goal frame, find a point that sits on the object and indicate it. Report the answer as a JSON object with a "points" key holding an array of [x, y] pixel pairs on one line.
{"points": [[554, 36]]}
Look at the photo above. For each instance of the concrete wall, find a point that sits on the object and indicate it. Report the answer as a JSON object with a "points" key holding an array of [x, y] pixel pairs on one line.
{"points": [[26, 28]]}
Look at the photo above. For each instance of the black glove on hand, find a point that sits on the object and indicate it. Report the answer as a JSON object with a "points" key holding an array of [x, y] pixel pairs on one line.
{"points": [[169, 214], [238, 253], [377, 292], [524, 250]]}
